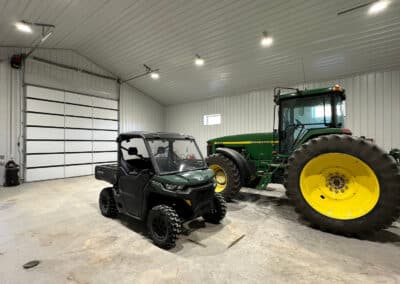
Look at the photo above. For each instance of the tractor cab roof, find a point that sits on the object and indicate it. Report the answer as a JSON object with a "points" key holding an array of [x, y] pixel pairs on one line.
{"points": [[151, 135], [296, 93]]}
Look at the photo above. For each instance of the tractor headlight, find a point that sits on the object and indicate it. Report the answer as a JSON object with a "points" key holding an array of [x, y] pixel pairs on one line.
{"points": [[169, 186]]}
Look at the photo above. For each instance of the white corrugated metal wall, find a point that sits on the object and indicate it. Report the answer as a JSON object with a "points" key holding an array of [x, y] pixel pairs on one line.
{"points": [[373, 104], [139, 112]]}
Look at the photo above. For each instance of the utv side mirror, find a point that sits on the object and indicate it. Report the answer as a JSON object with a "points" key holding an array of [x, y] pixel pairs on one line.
{"points": [[132, 151], [160, 150]]}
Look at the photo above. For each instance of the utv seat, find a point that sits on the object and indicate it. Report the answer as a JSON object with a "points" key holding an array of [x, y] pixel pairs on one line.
{"points": [[135, 165]]}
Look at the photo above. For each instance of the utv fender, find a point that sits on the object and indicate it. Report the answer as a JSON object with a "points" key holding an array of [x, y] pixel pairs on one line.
{"points": [[239, 160]]}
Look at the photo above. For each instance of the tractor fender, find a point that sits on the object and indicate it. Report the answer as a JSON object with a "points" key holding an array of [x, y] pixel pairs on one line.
{"points": [[239, 160]]}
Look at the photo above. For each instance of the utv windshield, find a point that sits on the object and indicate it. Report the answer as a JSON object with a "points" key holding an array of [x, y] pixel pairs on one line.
{"points": [[176, 155]]}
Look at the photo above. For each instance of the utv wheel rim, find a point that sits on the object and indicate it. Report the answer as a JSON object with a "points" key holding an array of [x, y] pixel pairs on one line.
{"points": [[159, 228], [220, 177], [339, 186]]}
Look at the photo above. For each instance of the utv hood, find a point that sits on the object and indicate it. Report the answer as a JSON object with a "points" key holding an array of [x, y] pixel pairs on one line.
{"points": [[187, 178]]}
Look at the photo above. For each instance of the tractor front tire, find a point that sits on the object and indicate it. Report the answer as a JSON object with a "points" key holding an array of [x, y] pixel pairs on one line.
{"points": [[227, 175], [108, 207], [219, 211], [164, 226], [344, 184]]}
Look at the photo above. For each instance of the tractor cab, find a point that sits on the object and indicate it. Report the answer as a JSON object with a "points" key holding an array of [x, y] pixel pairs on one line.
{"points": [[305, 113]]}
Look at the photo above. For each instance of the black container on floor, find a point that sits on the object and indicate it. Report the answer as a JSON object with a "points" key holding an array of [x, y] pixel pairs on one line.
{"points": [[11, 174]]}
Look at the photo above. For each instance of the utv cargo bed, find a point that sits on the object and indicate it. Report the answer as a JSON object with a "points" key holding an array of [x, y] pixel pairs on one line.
{"points": [[107, 173]]}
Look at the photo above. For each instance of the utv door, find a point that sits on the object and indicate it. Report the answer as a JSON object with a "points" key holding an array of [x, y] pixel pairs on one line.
{"points": [[132, 192]]}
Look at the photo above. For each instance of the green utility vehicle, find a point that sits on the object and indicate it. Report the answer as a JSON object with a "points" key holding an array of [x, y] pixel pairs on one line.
{"points": [[162, 179], [336, 181]]}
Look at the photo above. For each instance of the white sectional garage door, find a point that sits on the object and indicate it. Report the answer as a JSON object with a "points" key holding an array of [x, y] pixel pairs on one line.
{"points": [[67, 134]]}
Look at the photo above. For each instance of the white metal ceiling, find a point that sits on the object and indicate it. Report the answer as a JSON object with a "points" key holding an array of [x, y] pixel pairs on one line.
{"points": [[124, 34]]}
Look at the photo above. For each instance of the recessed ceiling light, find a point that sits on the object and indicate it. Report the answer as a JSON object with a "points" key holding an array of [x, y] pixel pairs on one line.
{"points": [[378, 6], [198, 60], [23, 27], [154, 75], [266, 40]]}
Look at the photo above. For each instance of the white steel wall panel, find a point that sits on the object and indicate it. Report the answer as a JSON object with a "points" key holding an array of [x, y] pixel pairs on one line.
{"points": [[105, 113], [78, 99], [81, 170], [44, 173], [78, 146], [43, 106], [44, 120], [104, 157], [78, 110], [44, 160], [105, 135], [99, 102], [44, 147], [44, 93], [105, 124], [78, 134], [80, 158], [78, 122], [372, 105], [105, 146], [44, 133]]}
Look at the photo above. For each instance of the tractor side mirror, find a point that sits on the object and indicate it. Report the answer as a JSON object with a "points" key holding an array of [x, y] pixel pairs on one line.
{"points": [[132, 151]]}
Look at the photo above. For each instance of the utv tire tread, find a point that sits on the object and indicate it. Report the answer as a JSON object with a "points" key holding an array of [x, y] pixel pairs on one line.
{"points": [[110, 210], [174, 223], [385, 212], [234, 184], [220, 210]]}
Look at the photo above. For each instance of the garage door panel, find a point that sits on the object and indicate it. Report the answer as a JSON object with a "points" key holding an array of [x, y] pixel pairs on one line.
{"points": [[99, 102], [104, 146], [44, 93], [105, 113], [44, 147], [43, 106], [81, 170], [105, 124], [78, 134], [44, 160], [78, 110], [44, 133], [78, 158], [78, 99], [44, 173], [44, 120], [104, 157], [105, 135], [78, 122], [78, 146]]}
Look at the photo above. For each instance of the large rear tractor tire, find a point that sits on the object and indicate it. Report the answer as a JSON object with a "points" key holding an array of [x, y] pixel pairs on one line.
{"points": [[344, 185], [227, 175]]}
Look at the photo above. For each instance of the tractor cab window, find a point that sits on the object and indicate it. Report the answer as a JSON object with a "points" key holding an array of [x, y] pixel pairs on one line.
{"points": [[134, 156], [298, 115], [176, 155]]}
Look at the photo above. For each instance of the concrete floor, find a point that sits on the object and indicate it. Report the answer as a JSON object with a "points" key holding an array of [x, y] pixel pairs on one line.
{"points": [[58, 223]]}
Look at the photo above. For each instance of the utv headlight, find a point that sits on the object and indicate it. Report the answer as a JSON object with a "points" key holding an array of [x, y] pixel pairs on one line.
{"points": [[173, 186]]}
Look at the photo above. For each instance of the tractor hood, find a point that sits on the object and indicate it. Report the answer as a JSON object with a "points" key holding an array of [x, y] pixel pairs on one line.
{"points": [[187, 178], [249, 138]]}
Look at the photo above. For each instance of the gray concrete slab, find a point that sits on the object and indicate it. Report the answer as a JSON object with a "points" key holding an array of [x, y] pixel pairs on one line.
{"points": [[58, 223]]}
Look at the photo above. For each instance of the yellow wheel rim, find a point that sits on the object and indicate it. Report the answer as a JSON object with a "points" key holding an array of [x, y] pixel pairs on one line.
{"points": [[220, 177], [339, 186]]}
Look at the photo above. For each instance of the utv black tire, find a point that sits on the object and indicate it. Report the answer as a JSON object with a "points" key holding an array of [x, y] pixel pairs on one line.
{"points": [[233, 182], [108, 207], [384, 212], [164, 226], [219, 211]]}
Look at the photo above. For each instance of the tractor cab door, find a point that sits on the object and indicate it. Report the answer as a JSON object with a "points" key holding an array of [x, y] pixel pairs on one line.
{"points": [[136, 171]]}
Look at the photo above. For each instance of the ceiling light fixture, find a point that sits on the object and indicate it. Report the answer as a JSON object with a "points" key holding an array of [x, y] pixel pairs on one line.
{"points": [[198, 60], [266, 40], [152, 72], [378, 6], [154, 75], [23, 27]]}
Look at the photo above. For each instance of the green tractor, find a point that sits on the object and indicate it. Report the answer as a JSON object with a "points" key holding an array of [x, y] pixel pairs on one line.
{"points": [[338, 182]]}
